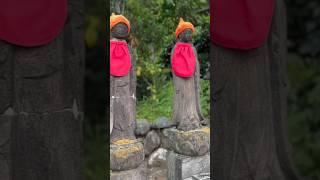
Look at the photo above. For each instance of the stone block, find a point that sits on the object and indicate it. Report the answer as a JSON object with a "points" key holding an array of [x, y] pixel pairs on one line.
{"points": [[182, 167]]}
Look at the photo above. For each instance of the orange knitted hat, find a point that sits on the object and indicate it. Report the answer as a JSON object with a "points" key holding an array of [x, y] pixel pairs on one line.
{"points": [[116, 19], [183, 26]]}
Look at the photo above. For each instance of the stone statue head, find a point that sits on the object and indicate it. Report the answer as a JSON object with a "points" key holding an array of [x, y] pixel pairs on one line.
{"points": [[119, 26], [184, 31], [186, 35], [120, 31]]}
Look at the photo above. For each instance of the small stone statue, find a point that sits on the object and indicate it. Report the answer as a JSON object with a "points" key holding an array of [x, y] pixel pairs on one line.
{"points": [[122, 83], [125, 151], [186, 76]]}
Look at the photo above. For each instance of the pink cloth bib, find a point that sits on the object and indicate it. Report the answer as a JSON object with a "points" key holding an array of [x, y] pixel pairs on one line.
{"points": [[183, 62], [240, 24], [32, 22], [120, 59]]}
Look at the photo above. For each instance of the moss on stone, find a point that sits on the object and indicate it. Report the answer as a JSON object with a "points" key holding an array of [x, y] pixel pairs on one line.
{"points": [[126, 151], [124, 142]]}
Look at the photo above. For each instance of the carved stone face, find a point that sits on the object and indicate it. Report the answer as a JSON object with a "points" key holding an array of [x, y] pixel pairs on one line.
{"points": [[120, 31], [186, 35]]}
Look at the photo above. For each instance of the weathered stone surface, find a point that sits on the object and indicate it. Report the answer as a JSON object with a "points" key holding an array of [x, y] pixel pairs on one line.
{"points": [[5, 144], [123, 105], [151, 142], [44, 145], [140, 139], [6, 65], [161, 122], [182, 167], [158, 158], [202, 176], [157, 173], [126, 154], [142, 127], [190, 143], [4, 169], [139, 173]]}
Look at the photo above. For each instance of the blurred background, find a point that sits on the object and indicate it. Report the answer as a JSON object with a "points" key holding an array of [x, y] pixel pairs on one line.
{"points": [[153, 25]]}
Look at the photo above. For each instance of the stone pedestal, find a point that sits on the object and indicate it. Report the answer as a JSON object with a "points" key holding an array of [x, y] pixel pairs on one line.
{"points": [[126, 154], [190, 143], [182, 167], [139, 173]]}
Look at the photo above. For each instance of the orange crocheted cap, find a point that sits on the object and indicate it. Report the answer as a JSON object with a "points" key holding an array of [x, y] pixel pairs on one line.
{"points": [[183, 26], [116, 19]]}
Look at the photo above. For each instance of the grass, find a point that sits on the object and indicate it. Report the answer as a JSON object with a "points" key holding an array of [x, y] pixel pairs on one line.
{"points": [[151, 109]]}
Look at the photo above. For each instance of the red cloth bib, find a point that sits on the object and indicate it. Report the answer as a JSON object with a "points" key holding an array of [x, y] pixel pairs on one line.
{"points": [[32, 22], [120, 59], [240, 24], [183, 63]]}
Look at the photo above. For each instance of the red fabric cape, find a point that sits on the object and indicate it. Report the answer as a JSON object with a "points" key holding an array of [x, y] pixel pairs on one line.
{"points": [[183, 61], [32, 22], [240, 24], [120, 58]]}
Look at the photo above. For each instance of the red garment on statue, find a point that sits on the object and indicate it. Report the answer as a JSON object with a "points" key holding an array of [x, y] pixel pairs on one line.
{"points": [[183, 62], [32, 22], [240, 24], [120, 59]]}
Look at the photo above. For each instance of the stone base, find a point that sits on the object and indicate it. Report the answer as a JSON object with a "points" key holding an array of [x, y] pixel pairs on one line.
{"points": [[190, 143], [126, 154], [182, 167], [202, 176], [139, 173]]}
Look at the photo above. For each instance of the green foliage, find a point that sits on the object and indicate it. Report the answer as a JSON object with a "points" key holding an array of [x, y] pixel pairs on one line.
{"points": [[304, 27], [304, 115], [153, 24], [151, 109], [151, 78], [94, 24], [205, 98]]}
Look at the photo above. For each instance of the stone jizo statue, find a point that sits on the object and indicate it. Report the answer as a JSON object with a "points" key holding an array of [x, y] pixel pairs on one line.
{"points": [[122, 81], [186, 76], [126, 152]]}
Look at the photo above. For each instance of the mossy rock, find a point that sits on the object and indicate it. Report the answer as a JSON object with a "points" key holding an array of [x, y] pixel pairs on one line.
{"points": [[190, 143], [126, 154], [142, 127]]}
